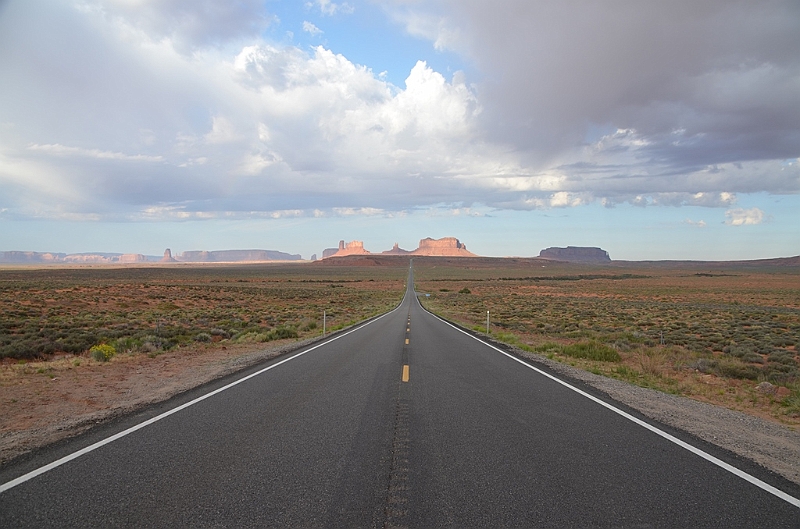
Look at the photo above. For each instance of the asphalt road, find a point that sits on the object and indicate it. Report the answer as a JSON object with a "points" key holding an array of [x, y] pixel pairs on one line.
{"points": [[403, 422]]}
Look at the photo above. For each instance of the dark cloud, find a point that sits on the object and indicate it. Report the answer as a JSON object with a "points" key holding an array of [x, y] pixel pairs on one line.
{"points": [[726, 73]]}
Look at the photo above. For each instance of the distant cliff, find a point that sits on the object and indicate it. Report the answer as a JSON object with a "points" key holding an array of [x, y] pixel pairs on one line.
{"points": [[233, 256], [87, 258], [224, 256], [31, 257], [444, 247], [581, 254]]}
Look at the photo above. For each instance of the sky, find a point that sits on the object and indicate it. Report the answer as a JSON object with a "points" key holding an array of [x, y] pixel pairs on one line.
{"points": [[655, 130]]}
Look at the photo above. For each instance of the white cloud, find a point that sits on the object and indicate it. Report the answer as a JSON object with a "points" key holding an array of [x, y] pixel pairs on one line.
{"points": [[563, 199], [349, 212], [438, 29], [286, 213], [222, 131], [744, 217], [696, 223], [326, 7], [310, 28]]}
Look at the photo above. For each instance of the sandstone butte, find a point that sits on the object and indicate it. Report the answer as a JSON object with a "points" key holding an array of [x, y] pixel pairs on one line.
{"points": [[444, 247]]}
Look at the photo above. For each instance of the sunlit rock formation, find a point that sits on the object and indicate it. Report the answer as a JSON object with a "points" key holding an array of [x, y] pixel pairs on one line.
{"points": [[444, 247]]}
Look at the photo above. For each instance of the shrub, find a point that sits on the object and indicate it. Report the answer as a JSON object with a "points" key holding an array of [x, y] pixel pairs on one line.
{"points": [[548, 347], [753, 358], [202, 337], [251, 337], [738, 370], [127, 344], [281, 333], [704, 365], [102, 352], [592, 351], [151, 344], [465, 290]]}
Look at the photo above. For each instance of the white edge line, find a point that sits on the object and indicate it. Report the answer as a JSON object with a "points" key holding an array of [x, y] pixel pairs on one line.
{"points": [[693, 449], [66, 459]]}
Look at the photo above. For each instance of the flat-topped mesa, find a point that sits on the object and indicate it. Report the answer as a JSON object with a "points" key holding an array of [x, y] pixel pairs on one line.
{"points": [[444, 247], [88, 258], [30, 257], [233, 256], [132, 258], [582, 254]]}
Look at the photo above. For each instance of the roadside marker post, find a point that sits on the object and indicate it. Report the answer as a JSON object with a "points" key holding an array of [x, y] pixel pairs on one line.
{"points": [[323, 322], [487, 322]]}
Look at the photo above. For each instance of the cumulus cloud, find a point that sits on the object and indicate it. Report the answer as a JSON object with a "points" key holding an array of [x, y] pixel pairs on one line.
{"points": [[744, 217], [694, 86], [181, 109]]}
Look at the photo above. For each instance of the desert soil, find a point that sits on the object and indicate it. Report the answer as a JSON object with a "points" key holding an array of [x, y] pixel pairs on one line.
{"points": [[43, 402]]}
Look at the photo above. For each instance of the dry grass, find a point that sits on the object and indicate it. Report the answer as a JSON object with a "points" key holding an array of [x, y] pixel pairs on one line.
{"points": [[54, 311], [724, 329]]}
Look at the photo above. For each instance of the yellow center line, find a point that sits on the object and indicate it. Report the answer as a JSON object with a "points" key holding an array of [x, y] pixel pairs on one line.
{"points": [[405, 373], [406, 341]]}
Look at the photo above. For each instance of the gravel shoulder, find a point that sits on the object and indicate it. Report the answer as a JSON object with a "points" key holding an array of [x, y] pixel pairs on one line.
{"points": [[66, 400]]}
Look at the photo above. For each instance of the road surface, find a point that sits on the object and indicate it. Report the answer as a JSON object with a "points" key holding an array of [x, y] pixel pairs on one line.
{"points": [[405, 421]]}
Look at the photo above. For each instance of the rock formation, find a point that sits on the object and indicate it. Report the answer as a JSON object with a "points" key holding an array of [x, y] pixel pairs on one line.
{"points": [[30, 257], [234, 256], [329, 252], [350, 248], [168, 257], [396, 250], [132, 258], [580, 254], [89, 258], [444, 247]]}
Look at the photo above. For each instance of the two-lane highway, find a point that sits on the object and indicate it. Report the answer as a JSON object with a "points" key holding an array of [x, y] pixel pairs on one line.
{"points": [[405, 421]]}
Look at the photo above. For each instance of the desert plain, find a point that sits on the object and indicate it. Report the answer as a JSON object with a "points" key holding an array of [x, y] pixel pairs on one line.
{"points": [[712, 339]]}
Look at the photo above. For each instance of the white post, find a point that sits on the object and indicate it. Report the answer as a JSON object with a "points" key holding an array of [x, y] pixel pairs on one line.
{"points": [[487, 322], [323, 323]]}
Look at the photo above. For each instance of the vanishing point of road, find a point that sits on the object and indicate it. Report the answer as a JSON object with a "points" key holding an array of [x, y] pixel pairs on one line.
{"points": [[404, 421]]}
